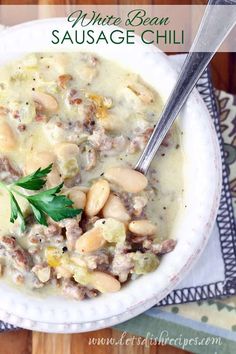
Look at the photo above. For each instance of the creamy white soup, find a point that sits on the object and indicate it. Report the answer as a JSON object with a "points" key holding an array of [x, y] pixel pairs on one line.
{"points": [[87, 119]]}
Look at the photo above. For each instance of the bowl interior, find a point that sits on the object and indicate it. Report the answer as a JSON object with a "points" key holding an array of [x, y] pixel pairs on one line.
{"points": [[202, 182]]}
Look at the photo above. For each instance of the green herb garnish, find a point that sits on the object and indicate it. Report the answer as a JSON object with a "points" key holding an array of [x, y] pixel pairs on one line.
{"points": [[35, 181], [47, 202]]}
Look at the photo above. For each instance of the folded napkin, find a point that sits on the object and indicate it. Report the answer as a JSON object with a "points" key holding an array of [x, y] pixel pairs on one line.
{"points": [[202, 283]]}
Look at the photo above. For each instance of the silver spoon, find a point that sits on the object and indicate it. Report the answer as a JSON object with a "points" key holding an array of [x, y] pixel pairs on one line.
{"points": [[214, 28]]}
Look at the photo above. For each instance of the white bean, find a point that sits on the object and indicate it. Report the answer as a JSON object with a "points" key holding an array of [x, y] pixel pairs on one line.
{"points": [[114, 208], [7, 138], [54, 178], [78, 197], [97, 197], [104, 282], [83, 189], [90, 241], [145, 94], [142, 227], [48, 102], [130, 180]]}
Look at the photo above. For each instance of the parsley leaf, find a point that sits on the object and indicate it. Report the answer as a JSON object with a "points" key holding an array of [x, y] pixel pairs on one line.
{"points": [[43, 204], [36, 180], [39, 215], [16, 212], [58, 207]]}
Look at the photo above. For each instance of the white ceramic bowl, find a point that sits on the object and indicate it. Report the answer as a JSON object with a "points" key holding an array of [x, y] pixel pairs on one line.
{"points": [[202, 181]]}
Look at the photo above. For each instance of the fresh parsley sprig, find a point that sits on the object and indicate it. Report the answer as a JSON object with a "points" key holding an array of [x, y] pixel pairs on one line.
{"points": [[36, 180], [16, 212], [45, 203]]}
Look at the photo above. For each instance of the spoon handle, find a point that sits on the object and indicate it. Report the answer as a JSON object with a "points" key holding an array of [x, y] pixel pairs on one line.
{"points": [[214, 28]]}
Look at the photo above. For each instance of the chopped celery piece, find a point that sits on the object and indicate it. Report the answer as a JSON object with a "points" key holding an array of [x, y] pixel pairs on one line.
{"points": [[113, 230], [144, 262], [82, 275], [69, 168]]}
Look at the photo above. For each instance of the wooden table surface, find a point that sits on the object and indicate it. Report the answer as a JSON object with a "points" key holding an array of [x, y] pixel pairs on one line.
{"points": [[27, 342]]}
